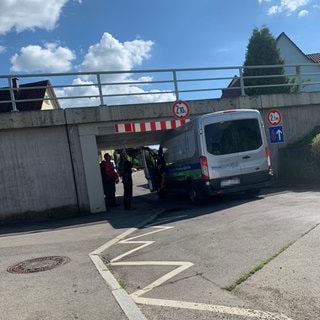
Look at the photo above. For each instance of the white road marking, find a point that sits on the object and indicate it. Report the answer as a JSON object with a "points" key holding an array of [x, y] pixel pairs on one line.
{"points": [[133, 312], [182, 266], [112, 242], [126, 303], [249, 313], [143, 243]]}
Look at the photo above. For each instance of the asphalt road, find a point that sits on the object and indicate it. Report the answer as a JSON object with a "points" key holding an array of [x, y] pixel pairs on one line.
{"points": [[232, 257]]}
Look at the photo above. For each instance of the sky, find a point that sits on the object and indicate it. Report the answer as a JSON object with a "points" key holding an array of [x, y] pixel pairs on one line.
{"points": [[56, 36]]}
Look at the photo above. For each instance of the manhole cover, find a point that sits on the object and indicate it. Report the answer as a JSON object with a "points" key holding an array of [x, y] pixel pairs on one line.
{"points": [[38, 264]]}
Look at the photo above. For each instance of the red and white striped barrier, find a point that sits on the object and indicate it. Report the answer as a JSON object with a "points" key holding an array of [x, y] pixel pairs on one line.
{"points": [[149, 126]]}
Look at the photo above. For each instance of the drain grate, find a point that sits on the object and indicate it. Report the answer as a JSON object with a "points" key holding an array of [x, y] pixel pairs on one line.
{"points": [[38, 264]]}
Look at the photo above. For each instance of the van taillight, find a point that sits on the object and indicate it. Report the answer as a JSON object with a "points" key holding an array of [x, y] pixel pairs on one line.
{"points": [[269, 161], [204, 168]]}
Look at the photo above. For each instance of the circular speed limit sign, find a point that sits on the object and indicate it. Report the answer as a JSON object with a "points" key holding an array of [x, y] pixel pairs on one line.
{"points": [[181, 109]]}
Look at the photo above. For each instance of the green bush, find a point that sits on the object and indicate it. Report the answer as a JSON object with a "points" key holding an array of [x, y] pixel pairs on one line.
{"points": [[315, 147]]}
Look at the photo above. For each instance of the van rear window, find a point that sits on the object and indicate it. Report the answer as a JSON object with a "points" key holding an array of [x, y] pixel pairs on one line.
{"points": [[233, 136]]}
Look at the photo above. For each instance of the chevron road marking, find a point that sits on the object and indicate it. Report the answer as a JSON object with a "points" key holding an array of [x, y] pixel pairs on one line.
{"points": [[143, 243], [180, 267]]}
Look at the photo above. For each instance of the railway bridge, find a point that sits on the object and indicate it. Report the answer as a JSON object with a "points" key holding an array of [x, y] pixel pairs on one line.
{"points": [[49, 159]]}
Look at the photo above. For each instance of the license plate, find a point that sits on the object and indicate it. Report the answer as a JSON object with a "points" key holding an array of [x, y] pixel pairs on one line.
{"points": [[230, 182]]}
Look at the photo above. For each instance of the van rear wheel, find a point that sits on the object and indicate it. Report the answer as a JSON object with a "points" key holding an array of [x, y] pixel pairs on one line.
{"points": [[193, 194]]}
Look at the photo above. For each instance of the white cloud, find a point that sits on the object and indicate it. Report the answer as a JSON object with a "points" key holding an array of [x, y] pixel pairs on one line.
{"points": [[274, 10], [303, 13], [287, 6], [111, 54], [89, 92], [29, 15], [108, 54], [50, 58], [81, 89]]}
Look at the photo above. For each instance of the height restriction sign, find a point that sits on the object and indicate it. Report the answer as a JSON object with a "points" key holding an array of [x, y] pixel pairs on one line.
{"points": [[181, 109], [274, 117]]}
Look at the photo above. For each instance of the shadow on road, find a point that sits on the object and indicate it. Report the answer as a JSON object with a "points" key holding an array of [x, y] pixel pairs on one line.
{"points": [[147, 205]]}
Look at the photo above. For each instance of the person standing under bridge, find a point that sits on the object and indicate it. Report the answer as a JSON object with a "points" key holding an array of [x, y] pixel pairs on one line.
{"points": [[109, 179], [125, 172], [161, 166]]}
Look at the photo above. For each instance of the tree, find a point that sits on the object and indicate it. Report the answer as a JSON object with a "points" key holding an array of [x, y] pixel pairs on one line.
{"points": [[262, 50]]}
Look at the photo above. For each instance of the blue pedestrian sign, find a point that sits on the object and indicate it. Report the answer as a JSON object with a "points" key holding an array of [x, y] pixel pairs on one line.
{"points": [[276, 134]]}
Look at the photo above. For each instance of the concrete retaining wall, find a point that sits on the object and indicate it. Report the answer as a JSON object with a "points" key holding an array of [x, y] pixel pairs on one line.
{"points": [[41, 173]]}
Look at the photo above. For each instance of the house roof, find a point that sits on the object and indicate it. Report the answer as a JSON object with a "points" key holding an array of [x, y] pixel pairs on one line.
{"points": [[282, 34], [233, 89], [35, 90], [313, 57]]}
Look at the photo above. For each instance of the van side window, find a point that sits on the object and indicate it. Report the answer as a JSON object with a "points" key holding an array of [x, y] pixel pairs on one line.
{"points": [[233, 136], [181, 147]]}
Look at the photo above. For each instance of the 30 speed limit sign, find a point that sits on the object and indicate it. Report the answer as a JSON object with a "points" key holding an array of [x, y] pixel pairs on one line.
{"points": [[181, 109]]}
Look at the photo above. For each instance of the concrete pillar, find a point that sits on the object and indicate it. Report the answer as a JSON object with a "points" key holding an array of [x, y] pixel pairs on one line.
{"points": [[92, 170]]}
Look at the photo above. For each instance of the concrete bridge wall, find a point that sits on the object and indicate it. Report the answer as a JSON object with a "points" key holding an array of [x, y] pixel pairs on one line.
{"points": [[49, 159]]}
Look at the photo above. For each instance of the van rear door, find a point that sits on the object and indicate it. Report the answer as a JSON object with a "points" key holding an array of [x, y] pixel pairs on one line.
{"points": [[149, 168], [253, 151], [221, 151], [235, 145]]}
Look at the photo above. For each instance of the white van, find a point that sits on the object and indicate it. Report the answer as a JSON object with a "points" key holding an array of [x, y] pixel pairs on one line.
{"points": [[216, 153]]}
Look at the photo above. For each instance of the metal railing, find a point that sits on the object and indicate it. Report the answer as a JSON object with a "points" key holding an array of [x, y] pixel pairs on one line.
{"points": [[85, 89]]}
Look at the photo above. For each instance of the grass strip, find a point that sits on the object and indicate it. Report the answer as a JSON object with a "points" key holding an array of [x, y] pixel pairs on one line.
{"points": [[260, 266]]}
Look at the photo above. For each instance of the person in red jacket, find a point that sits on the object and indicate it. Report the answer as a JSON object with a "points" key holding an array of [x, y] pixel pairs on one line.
{"points": [[109, 179]]}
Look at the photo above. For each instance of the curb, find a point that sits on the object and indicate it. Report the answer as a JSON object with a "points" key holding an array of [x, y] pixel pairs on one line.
{"points": [[124, 300]]}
